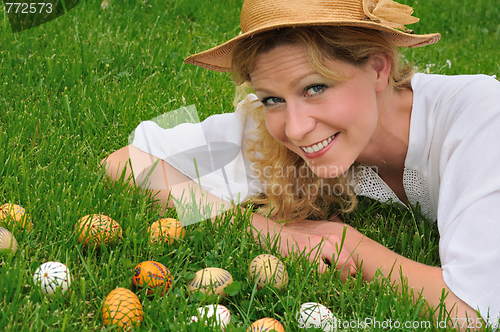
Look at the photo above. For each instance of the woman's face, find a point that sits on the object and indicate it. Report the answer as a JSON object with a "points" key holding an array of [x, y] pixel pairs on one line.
{"points": [[328, 123]]}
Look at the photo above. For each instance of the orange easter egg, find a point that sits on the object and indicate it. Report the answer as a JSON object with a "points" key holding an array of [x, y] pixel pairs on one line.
{"points": [[166, 230], [152, 275], [12, 215], [98, 229], [123, 308], [266, 324]]}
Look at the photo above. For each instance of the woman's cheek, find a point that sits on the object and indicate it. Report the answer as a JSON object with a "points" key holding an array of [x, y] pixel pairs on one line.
{"points": [[274, 126]]}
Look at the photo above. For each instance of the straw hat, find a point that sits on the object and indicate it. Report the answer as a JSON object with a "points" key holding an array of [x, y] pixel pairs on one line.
{"points": [[263, 15]]}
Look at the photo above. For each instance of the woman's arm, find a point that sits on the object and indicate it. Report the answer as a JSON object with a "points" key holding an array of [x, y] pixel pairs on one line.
{"points": [[371, 257], [169, 186]]}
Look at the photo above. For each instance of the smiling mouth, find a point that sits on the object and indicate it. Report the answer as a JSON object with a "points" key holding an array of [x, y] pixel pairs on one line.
{"points": [[318, 146]]}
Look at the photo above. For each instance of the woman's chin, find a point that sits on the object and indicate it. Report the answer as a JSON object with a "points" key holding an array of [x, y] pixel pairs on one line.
{"points": [[329, 171]]}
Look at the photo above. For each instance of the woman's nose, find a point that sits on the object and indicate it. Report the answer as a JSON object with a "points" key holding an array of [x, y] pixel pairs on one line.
{"points": [[299, 121]]}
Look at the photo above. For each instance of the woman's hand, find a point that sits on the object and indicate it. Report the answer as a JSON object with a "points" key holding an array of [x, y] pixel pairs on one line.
{"points": [[313, 238], [329, 234]]}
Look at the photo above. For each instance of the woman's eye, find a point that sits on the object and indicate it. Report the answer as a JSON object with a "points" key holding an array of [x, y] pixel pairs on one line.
{"points": [[315, 89], [272, 101]]}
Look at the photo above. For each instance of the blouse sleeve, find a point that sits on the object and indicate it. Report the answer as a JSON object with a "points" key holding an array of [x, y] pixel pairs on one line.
{"points": [[211, 153]]}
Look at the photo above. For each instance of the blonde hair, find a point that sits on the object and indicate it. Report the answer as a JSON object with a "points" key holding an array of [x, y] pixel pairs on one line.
{"points": [[275, 165]]}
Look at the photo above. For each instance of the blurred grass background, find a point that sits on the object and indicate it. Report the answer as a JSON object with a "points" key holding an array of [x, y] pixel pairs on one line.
{"points": [[74, 88]]}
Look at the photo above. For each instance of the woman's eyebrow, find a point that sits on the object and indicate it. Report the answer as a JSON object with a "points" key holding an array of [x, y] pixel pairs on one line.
{"points": [[298, 79], [293, 83]]}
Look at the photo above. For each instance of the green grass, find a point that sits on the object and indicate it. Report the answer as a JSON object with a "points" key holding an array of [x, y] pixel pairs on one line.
{"points": [[74, 88]]}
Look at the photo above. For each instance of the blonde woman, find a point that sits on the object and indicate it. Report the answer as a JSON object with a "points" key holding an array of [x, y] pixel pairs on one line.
{"points": [[334, 114]]}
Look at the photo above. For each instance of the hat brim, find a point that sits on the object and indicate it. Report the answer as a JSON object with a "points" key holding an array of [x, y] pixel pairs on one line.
{"points": [[219, 58]]}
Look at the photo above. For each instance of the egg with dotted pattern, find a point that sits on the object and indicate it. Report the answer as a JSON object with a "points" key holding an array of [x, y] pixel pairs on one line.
{"points": [[166, 230], [51, 276], [13, 215], [266, 324], [123, 308], [268, 270], [211, 280], [7, 240], [152, 275], [98, 229]]}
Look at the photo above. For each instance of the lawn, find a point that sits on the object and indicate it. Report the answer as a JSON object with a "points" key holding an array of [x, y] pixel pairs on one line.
{"points": [[73, 89]]}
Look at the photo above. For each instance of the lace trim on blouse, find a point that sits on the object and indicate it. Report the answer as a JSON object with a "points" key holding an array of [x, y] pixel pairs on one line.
{"points": [[371, 185]]}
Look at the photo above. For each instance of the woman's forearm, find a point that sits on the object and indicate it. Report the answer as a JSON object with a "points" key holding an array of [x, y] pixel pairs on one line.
{"points": [[373, 258]]}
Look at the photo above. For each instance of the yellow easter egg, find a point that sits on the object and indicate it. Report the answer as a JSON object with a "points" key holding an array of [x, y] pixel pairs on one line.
{"points": [[98, 229], [13, 215], [268, 270], [166, 230], [123, 308]]}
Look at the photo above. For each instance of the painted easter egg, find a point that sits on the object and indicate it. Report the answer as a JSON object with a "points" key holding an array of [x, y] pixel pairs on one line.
{"points": [[221, 313], [13, 215], [152, 275], [166, 230], [98, 229], [316, 315], [7, 240], [123, 308], [51, 276], [266, 324], [211, 280], [268, 270]]}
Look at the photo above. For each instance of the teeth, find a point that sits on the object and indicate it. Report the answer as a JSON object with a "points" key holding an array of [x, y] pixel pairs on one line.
{"points": [[319, 146]]}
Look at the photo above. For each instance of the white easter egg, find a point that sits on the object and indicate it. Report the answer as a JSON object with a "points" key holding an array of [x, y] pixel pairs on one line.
{"points": [[211, 280], [312, 314], [221, 313], [52, 275]]}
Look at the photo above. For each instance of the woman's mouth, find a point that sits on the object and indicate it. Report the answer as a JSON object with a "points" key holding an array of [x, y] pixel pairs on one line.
{"points": [[318, 146]]}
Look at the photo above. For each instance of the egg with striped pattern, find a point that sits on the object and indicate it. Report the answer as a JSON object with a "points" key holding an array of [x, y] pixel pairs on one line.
{"points": [[211, 280], [7, 240], [51, 276], [152, 275], [316, 315], [221, 315], [268, 270]]}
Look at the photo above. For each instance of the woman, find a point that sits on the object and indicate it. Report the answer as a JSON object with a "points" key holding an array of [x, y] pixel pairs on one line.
{"points": [[332, 111]]}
